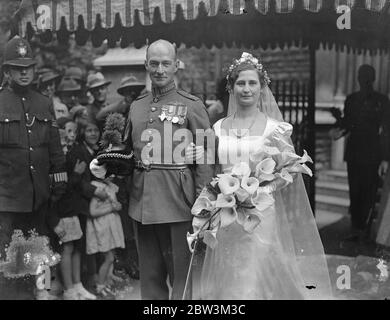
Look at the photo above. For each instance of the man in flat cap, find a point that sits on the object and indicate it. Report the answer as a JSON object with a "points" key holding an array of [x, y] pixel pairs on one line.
{"points": [[30, 151]]}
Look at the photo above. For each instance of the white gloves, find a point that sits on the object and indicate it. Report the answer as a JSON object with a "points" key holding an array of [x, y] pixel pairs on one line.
{"points": [[96, 170]]}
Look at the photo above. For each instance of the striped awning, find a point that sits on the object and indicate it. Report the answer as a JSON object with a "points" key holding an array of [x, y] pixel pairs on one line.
{"points": [[197, 22]]}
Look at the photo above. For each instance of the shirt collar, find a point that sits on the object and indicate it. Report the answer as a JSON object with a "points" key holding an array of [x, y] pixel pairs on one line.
{"points": [[157, 91]]}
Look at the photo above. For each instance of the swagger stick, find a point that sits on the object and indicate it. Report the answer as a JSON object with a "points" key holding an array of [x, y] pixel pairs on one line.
{"points": [[190, 268], [193, 253]]}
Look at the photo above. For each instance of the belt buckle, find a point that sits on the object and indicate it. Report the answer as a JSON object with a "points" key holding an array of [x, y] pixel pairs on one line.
{"points": [[146, 167]]}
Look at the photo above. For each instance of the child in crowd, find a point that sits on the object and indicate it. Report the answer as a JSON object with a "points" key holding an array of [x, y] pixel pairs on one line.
{"points": [[68, 130], [104, 231], [71, 249], [75, 204]]}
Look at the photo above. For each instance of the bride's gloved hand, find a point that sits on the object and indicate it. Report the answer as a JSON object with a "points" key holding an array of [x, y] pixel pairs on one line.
{"points": [[194, 153], [99, 171]]}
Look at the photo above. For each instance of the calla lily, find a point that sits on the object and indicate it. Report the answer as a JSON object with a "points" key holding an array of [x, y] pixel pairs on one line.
{"points": [[265, 169], [305, 158], [241, 194], [248, 219], [228, 184], [283, 144], [241, 170], [272, 151], [202, 203], [250, 184], [262, 200], [227, 216], [191, 237], [288, 157], [285, 175], [301, 168], [225, 201], [214, 182]]}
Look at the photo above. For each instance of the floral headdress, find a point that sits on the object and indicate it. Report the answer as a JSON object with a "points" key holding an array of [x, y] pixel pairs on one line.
{"points": [[247, 58]]}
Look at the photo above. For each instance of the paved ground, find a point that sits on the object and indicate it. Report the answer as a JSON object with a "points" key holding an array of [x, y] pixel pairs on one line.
{"points": [[364, 264], [366, 261], [357, 270]]}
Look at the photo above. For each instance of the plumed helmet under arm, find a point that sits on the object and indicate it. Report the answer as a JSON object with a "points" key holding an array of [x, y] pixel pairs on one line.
{"points": [[117, 158]]}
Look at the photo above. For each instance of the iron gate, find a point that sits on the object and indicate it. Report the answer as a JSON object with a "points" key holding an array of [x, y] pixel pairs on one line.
{"points": [[292, 97]]}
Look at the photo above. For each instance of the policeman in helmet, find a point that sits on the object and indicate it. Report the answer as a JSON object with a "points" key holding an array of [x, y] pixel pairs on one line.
{"points": [[32, 165]]}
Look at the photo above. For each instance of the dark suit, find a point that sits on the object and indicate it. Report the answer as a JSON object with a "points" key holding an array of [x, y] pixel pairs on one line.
{"points": [[366, 119]]}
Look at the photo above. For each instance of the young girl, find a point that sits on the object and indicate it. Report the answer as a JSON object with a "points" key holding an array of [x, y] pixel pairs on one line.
{"points": [[74, 208], [104, 231], [68, 131]]}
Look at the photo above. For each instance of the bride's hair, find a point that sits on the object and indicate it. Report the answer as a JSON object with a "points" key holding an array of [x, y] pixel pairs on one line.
{"points": [[246, 62]]}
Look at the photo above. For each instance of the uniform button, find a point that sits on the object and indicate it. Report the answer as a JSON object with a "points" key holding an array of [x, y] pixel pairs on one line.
{"points": [[24, 99], [149, 144], [150, 131], [29, 131], [154, 109], [32, 167], [31, 149], [6, 120], [155, 99], [151, 120]]}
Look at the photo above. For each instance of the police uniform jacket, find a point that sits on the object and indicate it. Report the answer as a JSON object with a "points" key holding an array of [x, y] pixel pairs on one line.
{"points": [[30, 150], [367, 121], [164, 196]]}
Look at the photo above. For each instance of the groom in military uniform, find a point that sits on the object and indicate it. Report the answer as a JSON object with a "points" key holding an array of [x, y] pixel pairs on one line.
{"points": [[162, 190]]}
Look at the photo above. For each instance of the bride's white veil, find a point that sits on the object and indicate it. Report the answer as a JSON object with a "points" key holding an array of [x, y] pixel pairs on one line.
{"points": [[297, 226]]}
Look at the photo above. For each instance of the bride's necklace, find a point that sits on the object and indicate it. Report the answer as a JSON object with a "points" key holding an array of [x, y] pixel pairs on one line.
{"points": [[241, 133]]}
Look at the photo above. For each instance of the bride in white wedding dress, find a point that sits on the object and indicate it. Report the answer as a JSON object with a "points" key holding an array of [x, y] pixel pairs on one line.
{"points": [[283, 258]]}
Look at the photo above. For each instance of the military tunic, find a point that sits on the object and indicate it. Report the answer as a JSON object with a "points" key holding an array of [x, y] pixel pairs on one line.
{"points": [[162, 196], [30, 150], [161, 199]]}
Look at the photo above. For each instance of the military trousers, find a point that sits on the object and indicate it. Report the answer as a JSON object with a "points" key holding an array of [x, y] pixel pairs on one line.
{"points": [[163, 254], [363, 185]]}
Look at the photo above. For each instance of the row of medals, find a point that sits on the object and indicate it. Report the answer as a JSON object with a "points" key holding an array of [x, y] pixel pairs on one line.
{"points": [[167, 113]]}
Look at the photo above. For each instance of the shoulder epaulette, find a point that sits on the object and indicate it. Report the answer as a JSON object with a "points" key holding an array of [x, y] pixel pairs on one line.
{"points": [[142, 96], [187, 95]]}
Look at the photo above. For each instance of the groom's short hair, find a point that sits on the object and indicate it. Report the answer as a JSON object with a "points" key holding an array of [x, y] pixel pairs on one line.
{"points": [[162, 42]]}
